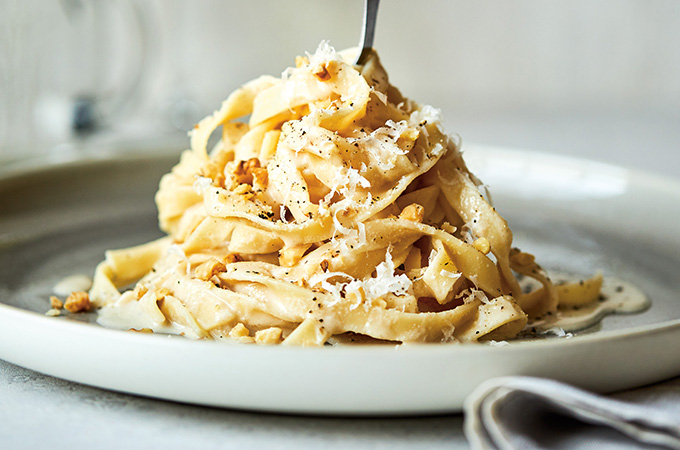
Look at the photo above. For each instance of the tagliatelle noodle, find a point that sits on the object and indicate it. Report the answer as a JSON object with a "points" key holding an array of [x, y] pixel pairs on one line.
{"points": [[339, 209]]}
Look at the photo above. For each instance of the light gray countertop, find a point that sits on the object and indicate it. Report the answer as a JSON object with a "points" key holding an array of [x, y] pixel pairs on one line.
{"points": [[38, 411]]}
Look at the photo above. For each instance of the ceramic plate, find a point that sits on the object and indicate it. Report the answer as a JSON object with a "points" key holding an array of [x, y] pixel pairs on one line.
{"points": [[576, 216]]}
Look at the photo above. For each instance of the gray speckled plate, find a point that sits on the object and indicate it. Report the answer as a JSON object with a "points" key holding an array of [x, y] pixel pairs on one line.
{"points": [[577, 216]]}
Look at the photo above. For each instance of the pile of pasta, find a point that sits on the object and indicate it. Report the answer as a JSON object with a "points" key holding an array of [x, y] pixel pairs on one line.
{"points": [[332, 209]]}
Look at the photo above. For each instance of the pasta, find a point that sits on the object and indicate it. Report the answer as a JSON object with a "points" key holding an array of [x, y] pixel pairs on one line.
{"points": [[331, 209]]}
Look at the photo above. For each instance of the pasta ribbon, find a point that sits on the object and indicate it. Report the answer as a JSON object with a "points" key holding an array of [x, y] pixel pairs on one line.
{"points": [[332, 209]]}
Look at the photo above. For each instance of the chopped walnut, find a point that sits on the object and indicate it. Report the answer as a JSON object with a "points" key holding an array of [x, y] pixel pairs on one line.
{"points": [[322, 73], [239, 174], [78, 301], [241, 334], [239, 330], [243, 173], [413, 212], [55, 303], [251, 164], [208, 269], [260, 178], [482, 244], [269, 336], [232, 258]]}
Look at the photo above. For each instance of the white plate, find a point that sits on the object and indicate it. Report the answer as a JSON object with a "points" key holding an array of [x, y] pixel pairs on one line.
{"points": [[575, 215]]}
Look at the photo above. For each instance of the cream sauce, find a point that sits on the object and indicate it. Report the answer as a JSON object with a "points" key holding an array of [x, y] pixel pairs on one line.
{"points": [[616, 296], [71, 284]]}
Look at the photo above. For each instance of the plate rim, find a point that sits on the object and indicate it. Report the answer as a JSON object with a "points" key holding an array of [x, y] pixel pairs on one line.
{"points": [[64, 326]]}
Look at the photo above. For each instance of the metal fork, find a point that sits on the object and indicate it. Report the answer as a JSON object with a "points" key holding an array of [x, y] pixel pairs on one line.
{"points": [[368, 30]]}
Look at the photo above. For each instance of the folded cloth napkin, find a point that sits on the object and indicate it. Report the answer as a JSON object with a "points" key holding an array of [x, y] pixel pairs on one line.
{"points": [[536, 413]]}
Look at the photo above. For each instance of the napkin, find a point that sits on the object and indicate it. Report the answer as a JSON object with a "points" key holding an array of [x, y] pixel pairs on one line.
{"points": [[536, 413]]}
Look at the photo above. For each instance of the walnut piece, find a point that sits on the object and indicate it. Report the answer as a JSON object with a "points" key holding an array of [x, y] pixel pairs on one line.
{"points": [[413, 212], [239, 330], [232, 258], [260, 178], [482, 244], [321, 72], [269, 336], [244, 171], [241, 334], [55, 303], [78, 301]]}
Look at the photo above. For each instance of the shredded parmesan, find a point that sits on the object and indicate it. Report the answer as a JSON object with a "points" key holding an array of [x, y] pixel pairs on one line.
{"points": [[386, 281], [426, 114], [201, 184], [324, 53]]}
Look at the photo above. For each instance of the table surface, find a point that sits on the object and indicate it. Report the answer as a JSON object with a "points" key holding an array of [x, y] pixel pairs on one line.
{"points": [[37, 410]]}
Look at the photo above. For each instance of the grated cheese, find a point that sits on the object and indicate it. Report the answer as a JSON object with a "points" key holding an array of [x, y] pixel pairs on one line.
{"points": [[201, 184], [386, 281], [427, 114], [324, 53]]}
